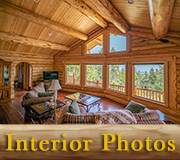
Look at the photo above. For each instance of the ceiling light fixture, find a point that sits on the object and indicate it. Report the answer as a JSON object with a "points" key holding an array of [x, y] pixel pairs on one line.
{"points": [[36, 0], [50, 34], [130, 1], [164, 40]]}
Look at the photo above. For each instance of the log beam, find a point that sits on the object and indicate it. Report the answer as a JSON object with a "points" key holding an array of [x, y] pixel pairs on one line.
{"points": [[86, 10], [35, 18], [160, 12], [107, 10], [33, 42]]}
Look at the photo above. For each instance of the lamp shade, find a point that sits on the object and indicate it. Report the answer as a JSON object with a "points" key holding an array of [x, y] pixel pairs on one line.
{"points": [[55, 85]]}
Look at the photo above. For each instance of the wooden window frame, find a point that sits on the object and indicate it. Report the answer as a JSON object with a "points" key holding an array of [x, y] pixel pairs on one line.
{"points": [[165, 82], [103, 72], [107, 78], [108, 41], [65, 74]]}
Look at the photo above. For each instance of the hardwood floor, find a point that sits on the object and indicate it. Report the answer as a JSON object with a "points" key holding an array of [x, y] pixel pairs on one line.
{"points": [[13, 113]]}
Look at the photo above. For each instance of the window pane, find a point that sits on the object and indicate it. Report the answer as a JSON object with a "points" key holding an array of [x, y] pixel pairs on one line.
{"points": [[149, 81], [95, 46], [94, 75], [117, 77], [117, 43], [73, 74]]}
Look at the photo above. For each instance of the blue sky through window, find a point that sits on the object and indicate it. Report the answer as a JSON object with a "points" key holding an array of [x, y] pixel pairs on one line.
{"points": [[147, 67], [117, 43], [97, 49]]}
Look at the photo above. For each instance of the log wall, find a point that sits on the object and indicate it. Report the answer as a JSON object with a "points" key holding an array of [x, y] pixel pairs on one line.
{"points": [[39, 64], [143, 48]]}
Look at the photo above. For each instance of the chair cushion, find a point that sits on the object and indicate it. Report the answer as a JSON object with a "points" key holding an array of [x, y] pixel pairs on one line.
{"points": [[39, 88], [147, 116], [27, 102], [46, 94], [85, 118], [47, 86], [74, 108], [135, 107]]}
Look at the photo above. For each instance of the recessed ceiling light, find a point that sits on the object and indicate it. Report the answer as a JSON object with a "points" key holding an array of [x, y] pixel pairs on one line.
{"points": [[130, 1], [50, 34], [36, 0]]}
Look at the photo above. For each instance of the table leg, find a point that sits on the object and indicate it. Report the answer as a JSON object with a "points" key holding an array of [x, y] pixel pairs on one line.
{"points": [[99, 108]]}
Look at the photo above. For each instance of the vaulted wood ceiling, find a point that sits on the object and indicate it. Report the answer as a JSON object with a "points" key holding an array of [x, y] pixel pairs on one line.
{"points": [[64, 13]]}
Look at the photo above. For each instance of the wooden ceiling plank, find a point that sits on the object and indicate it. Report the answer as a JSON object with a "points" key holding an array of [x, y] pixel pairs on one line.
{"points": [[33, 42], [107, 10], [33, 17], [86, 10], [160, 13]]}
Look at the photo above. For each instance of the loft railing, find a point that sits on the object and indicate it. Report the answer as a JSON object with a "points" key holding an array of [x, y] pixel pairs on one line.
{"points": [[146, 93]]}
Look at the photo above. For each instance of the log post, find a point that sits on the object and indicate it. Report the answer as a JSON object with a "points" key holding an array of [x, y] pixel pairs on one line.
{"points": [[135, 90], [74, 79], [98, 85]]}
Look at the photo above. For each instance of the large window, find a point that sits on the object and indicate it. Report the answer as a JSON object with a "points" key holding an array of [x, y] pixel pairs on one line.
{"points": [[117, 77], [117, 43], [95, 46], [73, 74], [149, 81], [94, 75]]}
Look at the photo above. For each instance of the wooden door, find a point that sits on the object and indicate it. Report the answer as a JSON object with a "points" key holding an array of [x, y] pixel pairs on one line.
{"points": [[26, 76]]}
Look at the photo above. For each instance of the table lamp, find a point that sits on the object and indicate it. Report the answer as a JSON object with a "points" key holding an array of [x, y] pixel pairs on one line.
{"points": [[55, 86]]}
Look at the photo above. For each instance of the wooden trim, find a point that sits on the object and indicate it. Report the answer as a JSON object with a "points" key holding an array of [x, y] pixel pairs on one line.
{"points": [[166, 84], [83, 75], [104, 79]]}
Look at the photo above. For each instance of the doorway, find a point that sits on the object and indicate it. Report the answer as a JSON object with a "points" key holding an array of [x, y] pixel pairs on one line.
{"points": [[23, 76]]}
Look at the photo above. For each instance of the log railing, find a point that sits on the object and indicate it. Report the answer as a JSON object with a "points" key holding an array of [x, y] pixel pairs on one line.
{"points": [[119, 88], [71, 79], [146, 93], [150, 94]]}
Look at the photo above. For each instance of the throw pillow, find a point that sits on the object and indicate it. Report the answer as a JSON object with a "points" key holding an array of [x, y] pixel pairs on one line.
{"points": [[135, 107], [33, 94], [74, 108], [116, 117], [46, 94], [39, 88], [47, 86]]}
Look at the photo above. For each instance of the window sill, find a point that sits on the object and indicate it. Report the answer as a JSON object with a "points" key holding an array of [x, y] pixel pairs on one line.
{"points": [[111, 90], [93, 87], [69, 84]]}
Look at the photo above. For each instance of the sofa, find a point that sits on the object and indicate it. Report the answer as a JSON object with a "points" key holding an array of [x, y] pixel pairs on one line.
{"points": [[134, 113], [38, 94]]}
